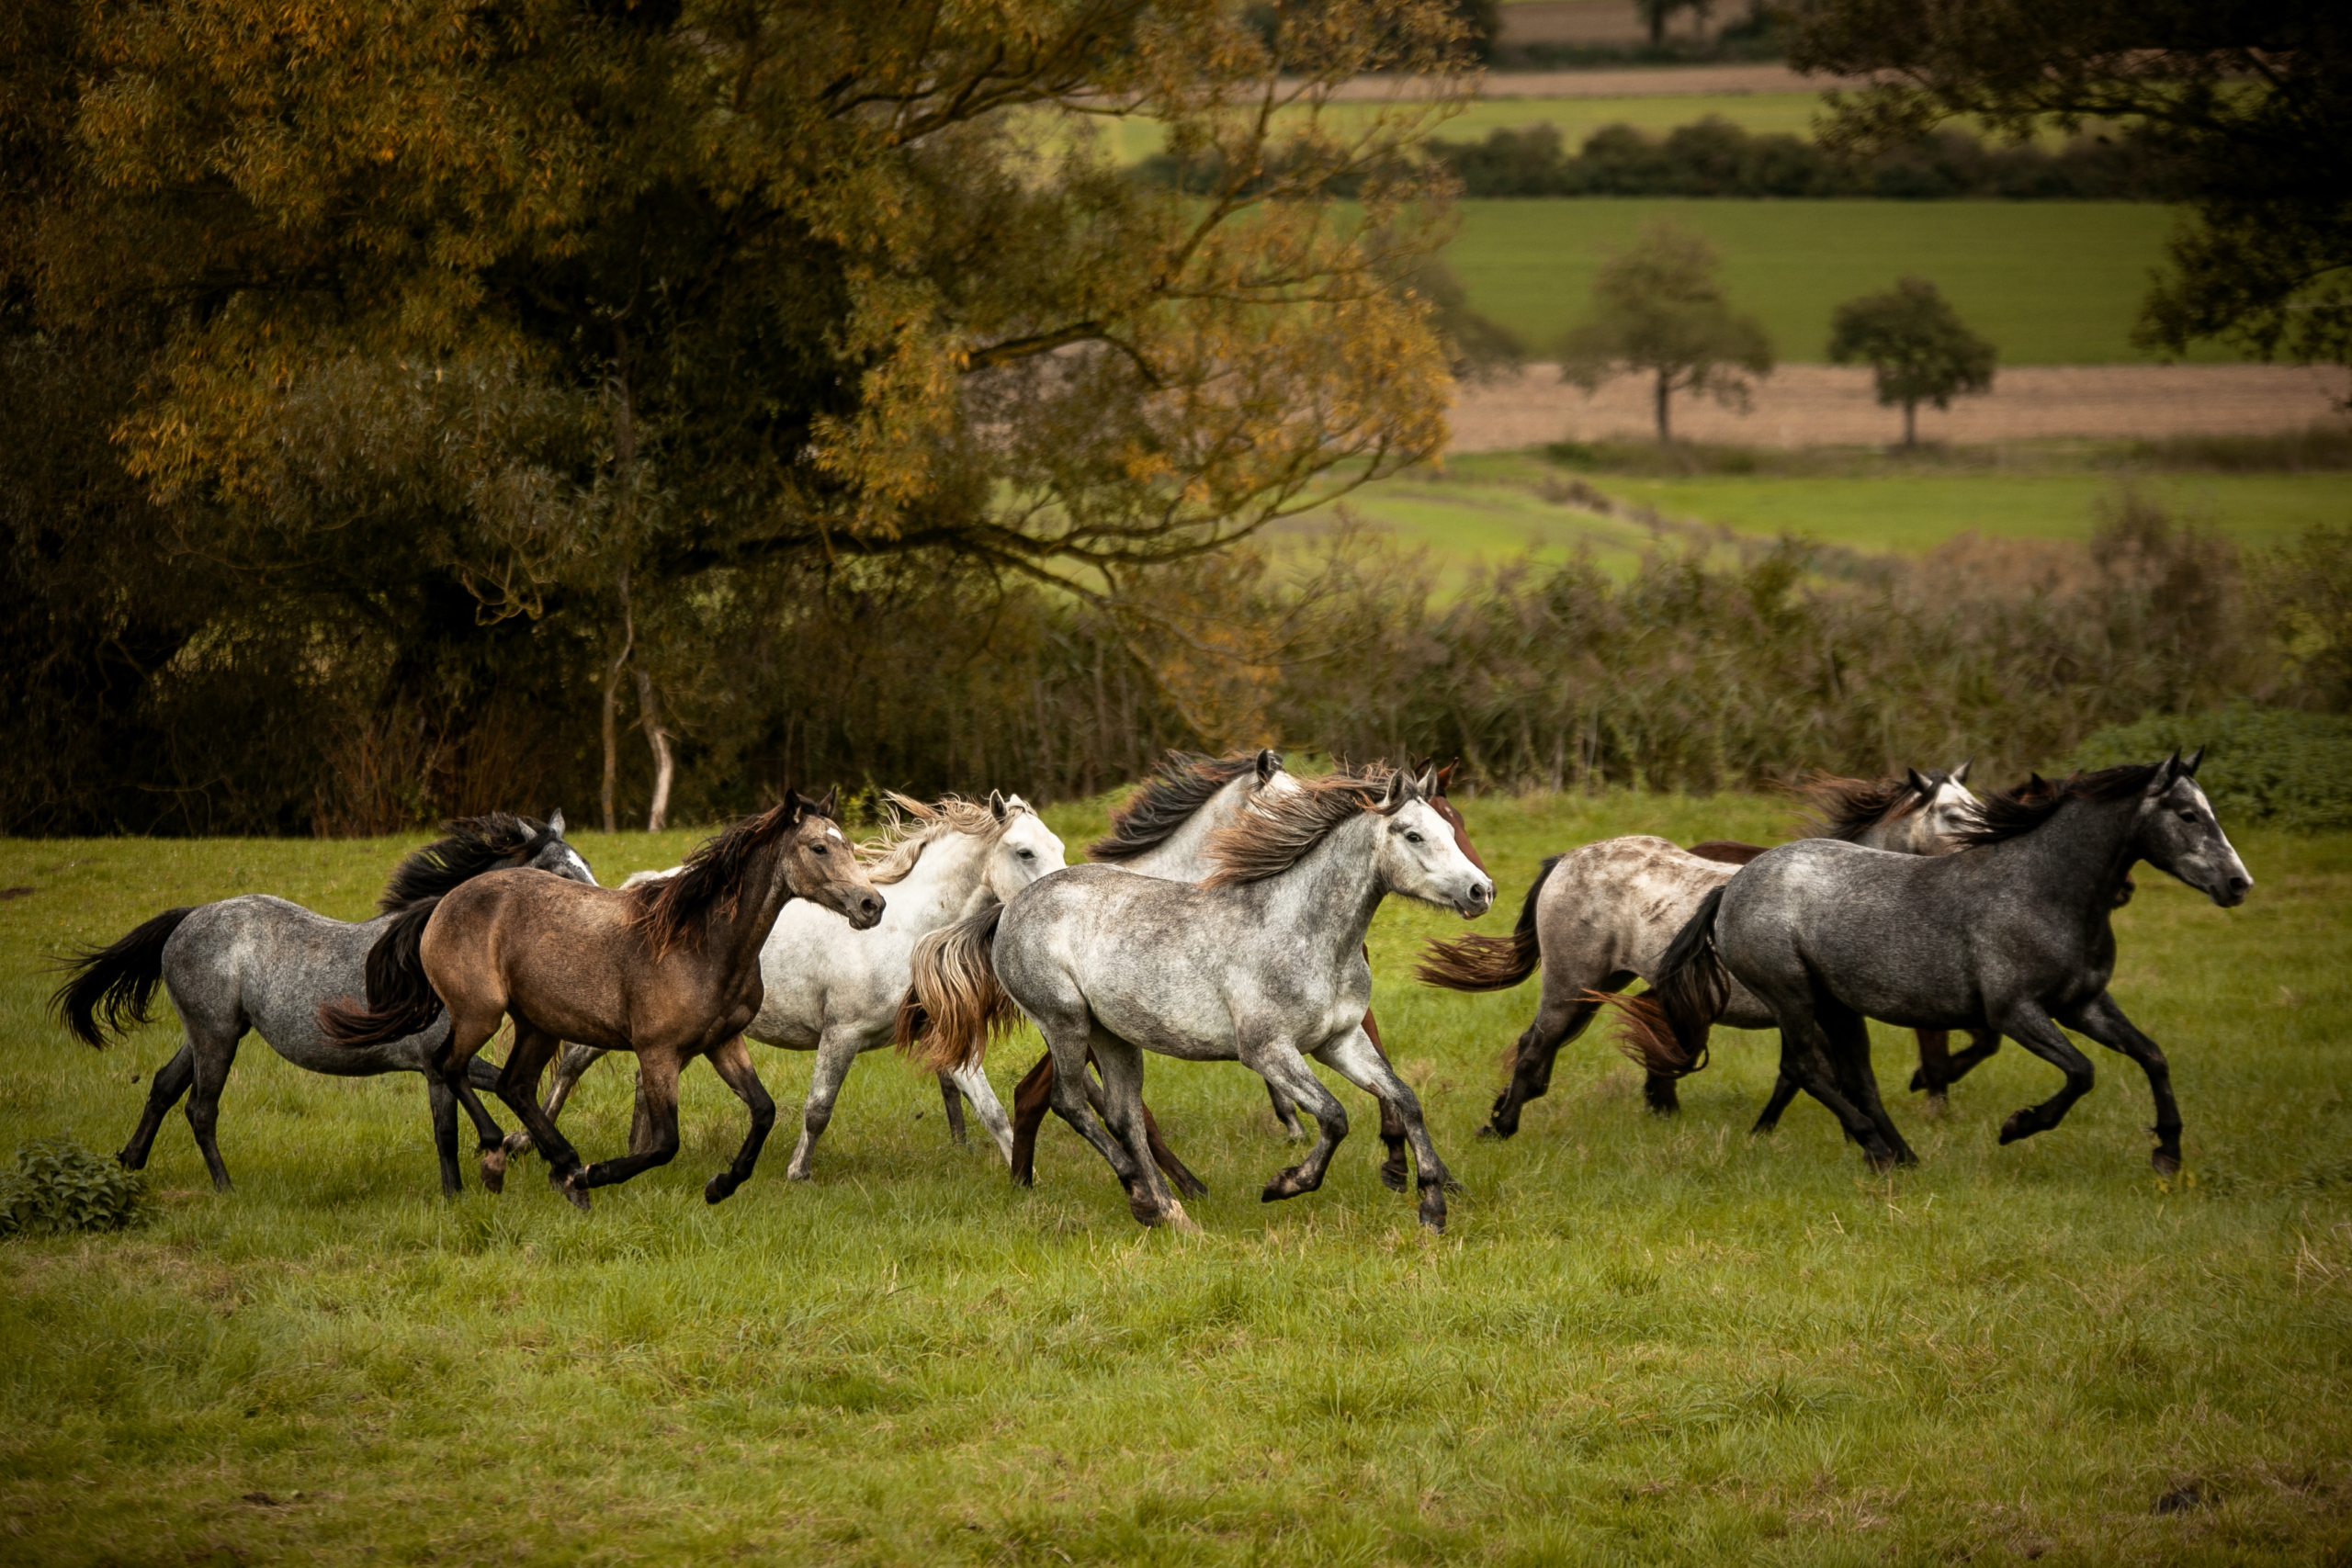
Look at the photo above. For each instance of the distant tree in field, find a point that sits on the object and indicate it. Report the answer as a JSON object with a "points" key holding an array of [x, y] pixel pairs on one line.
{"points": [[2248, 103], [1658, 13], [1917, 342], [1659, 311]]}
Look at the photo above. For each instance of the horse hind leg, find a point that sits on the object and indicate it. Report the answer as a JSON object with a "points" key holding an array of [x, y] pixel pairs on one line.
{"points": [[164, 1089], [837, 1052], [1851, 1034], [1560, 1017], [1032, 1101], [952, 1101], [211, 1076], [518, 1087], [571, 1065], [1123, 1111], [732, 1061], [1285, 1113], [1067, 1037], [1162, 1157], [1393, 1169]]}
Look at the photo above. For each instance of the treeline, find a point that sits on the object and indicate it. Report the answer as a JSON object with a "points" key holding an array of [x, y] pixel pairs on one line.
{"points": [[1686, 675], [1714, 157]]}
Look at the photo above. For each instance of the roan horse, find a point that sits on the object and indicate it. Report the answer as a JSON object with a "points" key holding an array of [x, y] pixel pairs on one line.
{"points": [[1600, 917], [668, 969], [1164, 829], [1263, 963], [834, 989], [262, 964], [2013, 934]]}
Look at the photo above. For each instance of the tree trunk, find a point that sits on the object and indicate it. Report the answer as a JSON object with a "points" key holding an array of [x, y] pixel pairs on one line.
{"points": [[1910, 422], [1665, 390], [664, 765], [613, 703]]}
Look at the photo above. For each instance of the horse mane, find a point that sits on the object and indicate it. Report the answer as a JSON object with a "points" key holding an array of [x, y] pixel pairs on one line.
{"points": [[912, 826], [1847, 808], [1179, 786], [2012, 813], [1278, 833], [668, 911], [473, 845]]}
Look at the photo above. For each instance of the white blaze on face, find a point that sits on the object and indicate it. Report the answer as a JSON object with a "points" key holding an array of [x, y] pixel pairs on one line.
{"points": [[1027, 850], [2219, 859], [580, 866], [1948, 812], [1424, 861]]}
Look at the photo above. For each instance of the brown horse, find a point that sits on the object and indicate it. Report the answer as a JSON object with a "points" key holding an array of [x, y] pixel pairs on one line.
{"points": [[668, 969], [1186, 794]]}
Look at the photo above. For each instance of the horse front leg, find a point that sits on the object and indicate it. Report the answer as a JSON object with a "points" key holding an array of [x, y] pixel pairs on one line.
{"points": [[570, 1065], [1354, 1058], [2104, 1021], [837, 1052], [732, 1061], [2031, 1027], [655, 1143], [1278, 1061], [970, 1082]]}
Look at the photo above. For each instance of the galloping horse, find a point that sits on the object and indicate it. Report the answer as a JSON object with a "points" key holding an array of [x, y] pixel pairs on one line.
{"points": [[2013, 935], [834, 989], [668, 969], [1262, 963], [1600, 917], [262, 964]]}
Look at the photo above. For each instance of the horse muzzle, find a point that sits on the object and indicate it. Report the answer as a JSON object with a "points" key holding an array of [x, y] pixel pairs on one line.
{"points": [[1477, 901], [862, 910]]}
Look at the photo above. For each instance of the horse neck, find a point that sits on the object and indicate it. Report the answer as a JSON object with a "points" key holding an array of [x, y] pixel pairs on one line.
{"points": [[734, 941], [1183, 855], [1330, 896], [2082, 853], [947, 882]]}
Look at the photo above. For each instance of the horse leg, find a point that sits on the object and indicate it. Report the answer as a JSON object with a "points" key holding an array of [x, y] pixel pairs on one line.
{"points": [[518, 1088], [970, 1082], [570, 1065], [1984, 1041], [204, 1107], [1122, 1106], [1354, 1058], [454, 1065], [1806, 1053], [1784, 1089], [1286, 1114], [1935, 1068], [837, 1051], [1851, 1034], [2032, 1028], [657, 1090], [1067, 1031], [164, 1090], [732, 1061], [1278, 1060], [445, 1133], [1157, 1146], [951, 1099], [1393, 1169], [1560, 1017], [1033, 1098], [2104, 1021]]}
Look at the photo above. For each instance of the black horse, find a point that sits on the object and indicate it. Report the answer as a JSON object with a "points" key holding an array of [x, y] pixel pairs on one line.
{"points": [[2011, 934]]}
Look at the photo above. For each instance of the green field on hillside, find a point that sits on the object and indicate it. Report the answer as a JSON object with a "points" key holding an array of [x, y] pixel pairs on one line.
{"points": [[1639, 1341], [2050, 283], [1486, 508]]}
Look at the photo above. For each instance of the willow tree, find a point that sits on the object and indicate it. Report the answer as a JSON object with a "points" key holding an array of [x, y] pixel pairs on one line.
{"points": [[561, 304]]}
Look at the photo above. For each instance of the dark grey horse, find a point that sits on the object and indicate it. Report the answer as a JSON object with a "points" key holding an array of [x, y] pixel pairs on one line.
{"points": [[262, 963], [2012, 934]]}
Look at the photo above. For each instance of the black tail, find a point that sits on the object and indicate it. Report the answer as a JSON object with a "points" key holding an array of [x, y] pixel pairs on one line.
{"points": [[1488, 963], [1692, 986], [401, 1001], [119, 981]]}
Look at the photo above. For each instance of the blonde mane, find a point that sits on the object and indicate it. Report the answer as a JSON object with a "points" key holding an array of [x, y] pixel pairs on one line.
{"points": [[911, 826], [1276, 833]]}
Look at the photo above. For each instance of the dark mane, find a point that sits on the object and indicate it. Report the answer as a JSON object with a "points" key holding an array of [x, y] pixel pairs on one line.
{"points": [[1276, 833], [2013, 813], [474, 844], [672, 910], [1847, 808], [1164, 802]]}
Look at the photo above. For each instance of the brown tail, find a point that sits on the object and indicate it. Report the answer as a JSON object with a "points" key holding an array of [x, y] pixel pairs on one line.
{"points": [[954, 1007], [1646, 1036], [1488, 963]]}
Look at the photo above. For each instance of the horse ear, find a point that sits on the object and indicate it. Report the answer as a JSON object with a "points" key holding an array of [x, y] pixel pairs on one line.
{"points": [[2188, 765], [996, 804], [2167, 770], [1425, 781], [1445, 776], [1400, 784], [1270, 762], [555, 822], [1920, 785], [1960, 774], [829, 804]]}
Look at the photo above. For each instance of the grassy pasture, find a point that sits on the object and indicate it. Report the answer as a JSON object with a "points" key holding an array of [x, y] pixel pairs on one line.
{"points": [[1639, 1341], [2048, 282]]}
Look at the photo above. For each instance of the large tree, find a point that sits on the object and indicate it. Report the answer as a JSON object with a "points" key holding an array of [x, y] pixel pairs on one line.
{"points": [[532, 306], [2248, 101]]}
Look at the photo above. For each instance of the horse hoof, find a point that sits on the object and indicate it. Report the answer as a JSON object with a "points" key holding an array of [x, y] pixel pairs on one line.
{"points": [[1880, 1162], [573, 1185], [1286, 1185], [518, 1143], [720, 1188], [493, 1169], [2016, 1127], [1176, 1219], [1433, 1217], [2166, 1161], [1938, 1103], [1393, 1177]]}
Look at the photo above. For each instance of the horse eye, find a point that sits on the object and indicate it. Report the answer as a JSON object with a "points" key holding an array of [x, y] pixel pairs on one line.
{"points": [[2189, 815], [1411, 837], [1028, 854], [820, 849]]}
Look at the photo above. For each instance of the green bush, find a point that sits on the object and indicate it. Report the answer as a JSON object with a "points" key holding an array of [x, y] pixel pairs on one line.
{"points": [[59, 1185], [2268, 766]]}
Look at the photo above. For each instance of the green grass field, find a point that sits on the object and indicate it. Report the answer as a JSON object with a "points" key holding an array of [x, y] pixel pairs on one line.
{"points": [[1641, 1341], [2050, 283], [1486, 508]]}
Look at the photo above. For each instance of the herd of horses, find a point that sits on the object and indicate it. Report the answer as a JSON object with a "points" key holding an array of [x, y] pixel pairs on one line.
{"points": [[1222, 919]]}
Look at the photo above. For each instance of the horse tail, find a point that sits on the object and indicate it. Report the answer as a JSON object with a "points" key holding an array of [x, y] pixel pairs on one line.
{"points": [[1488, 963], [954, 1006], [1645, 1036], [1690, 991], [401, 1001], [119, 981]]}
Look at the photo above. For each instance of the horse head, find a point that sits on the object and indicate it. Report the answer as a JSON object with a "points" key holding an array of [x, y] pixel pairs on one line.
{"points": [[819, 865], [2179, 833], [1025, 849], [1419, 855], [546, 850]]}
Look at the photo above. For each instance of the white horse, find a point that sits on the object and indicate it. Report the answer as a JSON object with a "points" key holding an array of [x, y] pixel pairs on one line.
{"points": [[1262, 963], [836, 991]]}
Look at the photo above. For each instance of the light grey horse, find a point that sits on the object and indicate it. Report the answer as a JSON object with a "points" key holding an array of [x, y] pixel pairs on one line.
{"points": [[1601, 916], [2011, 934], [835, 991], [262, 963], [1263, 963]]}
